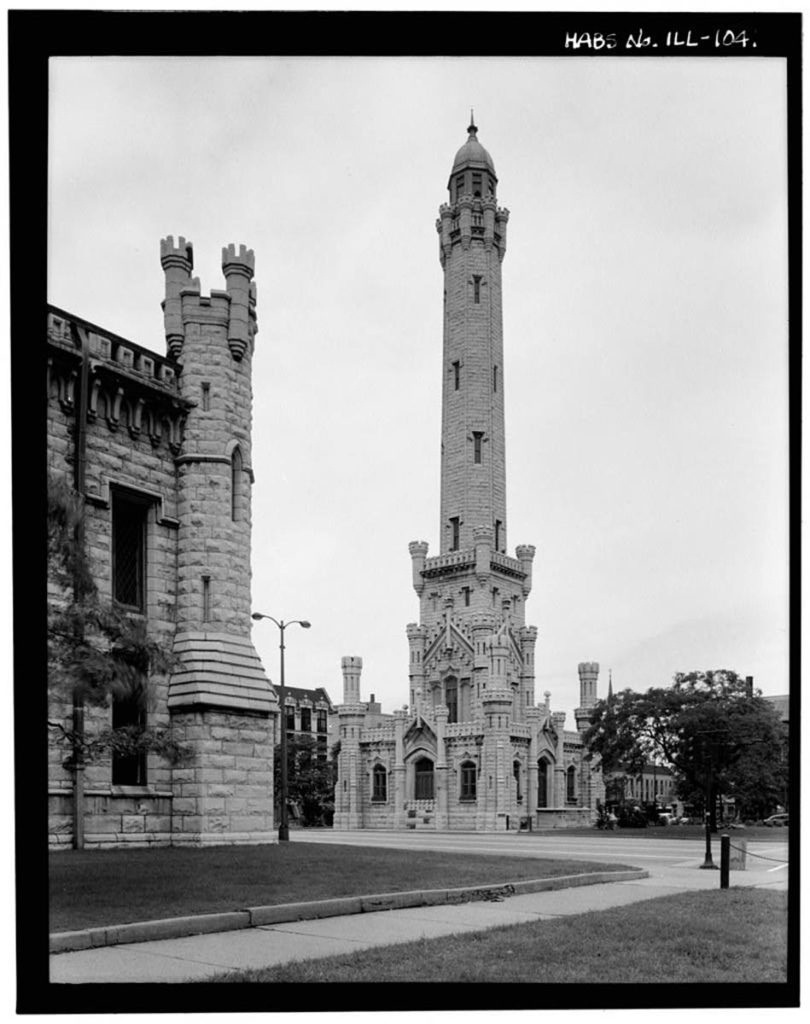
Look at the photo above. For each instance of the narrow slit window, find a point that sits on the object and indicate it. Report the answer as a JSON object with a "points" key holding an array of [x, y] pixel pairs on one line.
{"points": [[494, 378], [206, 396], [476, 288], [206, 583], [456, 375], [497, 535], [455, 526], [236, 483], [478, 437]]}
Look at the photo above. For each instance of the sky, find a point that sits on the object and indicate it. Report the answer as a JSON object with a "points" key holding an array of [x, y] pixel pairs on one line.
{"points": [[645, 332]]}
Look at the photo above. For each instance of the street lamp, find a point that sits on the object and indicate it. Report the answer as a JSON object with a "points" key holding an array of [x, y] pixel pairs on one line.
{"points": [[283, 826]]}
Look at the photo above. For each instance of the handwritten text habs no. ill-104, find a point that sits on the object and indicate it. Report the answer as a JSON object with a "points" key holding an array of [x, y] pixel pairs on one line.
{"points": [[721, 39]]}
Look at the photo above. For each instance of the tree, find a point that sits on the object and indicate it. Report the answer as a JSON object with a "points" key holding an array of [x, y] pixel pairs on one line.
{"points": [[715, 736], [96, 651], [310, 779]]}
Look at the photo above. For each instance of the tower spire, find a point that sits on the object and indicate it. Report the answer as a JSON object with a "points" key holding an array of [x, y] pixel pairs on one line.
{"points": [[472, 129]]}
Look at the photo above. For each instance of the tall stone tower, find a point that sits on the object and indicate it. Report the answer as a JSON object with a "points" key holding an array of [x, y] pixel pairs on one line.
{"points": [[472, 232], [219, 697], [472, 593]]}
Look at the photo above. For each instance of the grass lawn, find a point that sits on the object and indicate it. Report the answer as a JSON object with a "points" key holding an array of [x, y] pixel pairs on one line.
{"points": [[733, 935], [91, 888]]}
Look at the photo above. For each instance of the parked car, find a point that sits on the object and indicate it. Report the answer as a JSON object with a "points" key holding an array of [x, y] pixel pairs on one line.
{"points": [[777, 821]]}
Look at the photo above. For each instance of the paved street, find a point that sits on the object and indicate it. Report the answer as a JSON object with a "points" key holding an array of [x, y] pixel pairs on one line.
{"points": [[658, 856]]}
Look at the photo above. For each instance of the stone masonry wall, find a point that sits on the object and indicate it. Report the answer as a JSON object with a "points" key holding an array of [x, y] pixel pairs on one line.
{"points": [[117, 455], [225, 795]]}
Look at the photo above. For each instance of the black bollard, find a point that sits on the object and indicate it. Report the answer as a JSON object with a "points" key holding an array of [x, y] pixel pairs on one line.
{"points": [[725, 859]]}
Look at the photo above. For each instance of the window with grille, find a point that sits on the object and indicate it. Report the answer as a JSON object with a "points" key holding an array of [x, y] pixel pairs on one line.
{"points": [[129, 769], [467, 780], [128, 551], [379, 788]]}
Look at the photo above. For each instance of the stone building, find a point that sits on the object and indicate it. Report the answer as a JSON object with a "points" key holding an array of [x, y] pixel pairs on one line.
{"points": [[160, 447], [472, 750]]}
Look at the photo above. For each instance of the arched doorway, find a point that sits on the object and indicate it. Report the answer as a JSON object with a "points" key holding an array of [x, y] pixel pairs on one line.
{"points": [[542, 782], [423, 779]]}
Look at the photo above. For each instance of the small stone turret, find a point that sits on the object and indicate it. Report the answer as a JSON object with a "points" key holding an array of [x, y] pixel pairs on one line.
{"points": [[588, 674], [238, 271], [352, 666], [525, 554], [177, 262], [418, 550]]}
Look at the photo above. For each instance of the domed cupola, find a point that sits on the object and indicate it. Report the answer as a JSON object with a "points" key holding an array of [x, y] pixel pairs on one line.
{"points": [[473, 171]]}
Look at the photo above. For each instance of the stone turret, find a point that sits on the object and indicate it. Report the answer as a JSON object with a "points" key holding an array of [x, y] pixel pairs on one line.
{"points": [[588, 674], [351, 716], [218, 690], [351, 666]]}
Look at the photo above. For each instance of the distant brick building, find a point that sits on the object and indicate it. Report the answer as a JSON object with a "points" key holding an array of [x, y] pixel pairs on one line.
{"points": [[311, 713], [472, 750], [160, 447]]}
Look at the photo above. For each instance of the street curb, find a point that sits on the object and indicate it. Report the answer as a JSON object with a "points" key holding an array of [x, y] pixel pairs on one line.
{"points": [[281, 913]]}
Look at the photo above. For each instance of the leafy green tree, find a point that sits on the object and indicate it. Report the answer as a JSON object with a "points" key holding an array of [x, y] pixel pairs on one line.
{"points": [[96, 652], [713, 735], [310, 780]]}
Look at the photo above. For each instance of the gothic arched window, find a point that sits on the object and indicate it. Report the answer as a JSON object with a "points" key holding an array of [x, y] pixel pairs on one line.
{"points": [[379, 789], [542, 782]]}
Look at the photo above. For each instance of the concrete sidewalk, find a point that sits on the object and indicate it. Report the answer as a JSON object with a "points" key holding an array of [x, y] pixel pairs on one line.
{"points": [[199, 957]]}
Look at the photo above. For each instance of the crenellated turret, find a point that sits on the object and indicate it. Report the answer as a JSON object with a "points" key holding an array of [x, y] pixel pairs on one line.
{"points": [[352, 666], [177, 262], [418, 550], [238, 271], [214, 478], [588, 674]]}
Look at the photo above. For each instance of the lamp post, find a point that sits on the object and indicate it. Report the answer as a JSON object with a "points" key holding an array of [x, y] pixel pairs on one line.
{"points": [[283, 826]]}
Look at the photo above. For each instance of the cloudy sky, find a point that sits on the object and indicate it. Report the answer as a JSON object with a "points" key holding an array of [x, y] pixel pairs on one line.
{"points": [[645, 328]]}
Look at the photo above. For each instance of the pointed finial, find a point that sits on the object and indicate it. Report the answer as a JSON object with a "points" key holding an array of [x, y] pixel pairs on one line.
{"points": [[472, 129], [610, 684]]}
